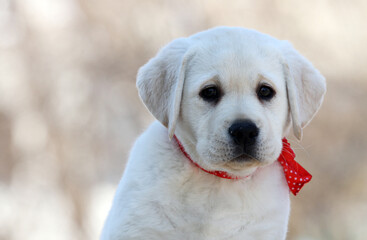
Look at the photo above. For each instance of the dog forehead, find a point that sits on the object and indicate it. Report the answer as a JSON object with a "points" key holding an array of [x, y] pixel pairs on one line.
{"points": [[235, 56]]}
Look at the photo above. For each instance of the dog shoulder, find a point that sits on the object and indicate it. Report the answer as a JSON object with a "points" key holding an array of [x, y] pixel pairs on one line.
{"points": [[142, 186]]}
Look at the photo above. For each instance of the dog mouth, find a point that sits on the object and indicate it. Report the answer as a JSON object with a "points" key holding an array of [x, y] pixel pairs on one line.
{"points": [[243, 157], [242, 161]]}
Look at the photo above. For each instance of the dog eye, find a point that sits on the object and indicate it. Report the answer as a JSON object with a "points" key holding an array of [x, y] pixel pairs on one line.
{"points": [[265, 93], [210, 94]]}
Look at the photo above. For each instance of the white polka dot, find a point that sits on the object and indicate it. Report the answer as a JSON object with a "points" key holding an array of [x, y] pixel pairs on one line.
{"points": [[291, 171], [301, 179], [295, 178], [285, 170], [282, 162], [292, 188], [290, 176], [295, 172], [294, 183], [297, 188], [289, 182], [299, 184]]}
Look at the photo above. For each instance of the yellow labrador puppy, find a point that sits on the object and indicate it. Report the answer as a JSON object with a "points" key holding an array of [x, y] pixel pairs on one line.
{"points": [[224, 100]]}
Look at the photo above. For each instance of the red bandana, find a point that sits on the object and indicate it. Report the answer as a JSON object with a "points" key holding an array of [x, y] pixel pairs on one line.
{"points": [[296, 176]]}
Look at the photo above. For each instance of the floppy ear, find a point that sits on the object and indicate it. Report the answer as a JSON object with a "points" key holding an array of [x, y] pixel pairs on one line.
{"points": [[306, 88], [160, 83]]}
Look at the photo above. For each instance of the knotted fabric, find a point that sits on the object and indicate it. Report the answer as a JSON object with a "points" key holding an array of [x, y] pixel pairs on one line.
{"points": [[295, 174]]}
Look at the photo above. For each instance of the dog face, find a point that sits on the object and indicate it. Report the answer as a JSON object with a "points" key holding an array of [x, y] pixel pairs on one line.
{"points": [[234, 106], [230, 94]]}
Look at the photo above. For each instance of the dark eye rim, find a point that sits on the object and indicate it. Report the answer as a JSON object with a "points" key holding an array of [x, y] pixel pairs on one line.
{"points": [[267, 97], [215, 98]]}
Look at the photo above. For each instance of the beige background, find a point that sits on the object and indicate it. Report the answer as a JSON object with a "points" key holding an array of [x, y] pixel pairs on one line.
{"points": [[69, 110]]}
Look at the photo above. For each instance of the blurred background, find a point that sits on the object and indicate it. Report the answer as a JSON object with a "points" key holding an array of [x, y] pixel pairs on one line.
{"points": [[69, 110]]}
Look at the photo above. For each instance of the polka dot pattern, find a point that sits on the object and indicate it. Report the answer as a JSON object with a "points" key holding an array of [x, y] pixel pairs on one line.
{"points": [[295, 174]]}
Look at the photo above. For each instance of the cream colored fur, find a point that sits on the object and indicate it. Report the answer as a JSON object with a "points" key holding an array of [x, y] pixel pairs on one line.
{"points": [[162, 195]]}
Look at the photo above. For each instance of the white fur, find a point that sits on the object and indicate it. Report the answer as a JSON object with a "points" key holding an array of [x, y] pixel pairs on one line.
{"points": [[162, 195]]}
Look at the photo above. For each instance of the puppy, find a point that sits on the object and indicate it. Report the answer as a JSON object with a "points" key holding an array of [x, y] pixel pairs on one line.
{"points": [[224, 100]]}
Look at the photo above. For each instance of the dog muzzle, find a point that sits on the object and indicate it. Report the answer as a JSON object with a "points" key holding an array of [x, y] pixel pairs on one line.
{"points": [[295, 175]]}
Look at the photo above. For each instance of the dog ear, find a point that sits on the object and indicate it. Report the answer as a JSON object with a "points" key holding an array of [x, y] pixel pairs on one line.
{"points": [[160, 83], [306, 88]]}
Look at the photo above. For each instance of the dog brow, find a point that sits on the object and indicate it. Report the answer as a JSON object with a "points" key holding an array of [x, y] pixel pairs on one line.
{"points": [[267, 78]]}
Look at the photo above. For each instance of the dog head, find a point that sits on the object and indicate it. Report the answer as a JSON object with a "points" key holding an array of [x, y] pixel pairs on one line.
{"points": [[230, 95]]}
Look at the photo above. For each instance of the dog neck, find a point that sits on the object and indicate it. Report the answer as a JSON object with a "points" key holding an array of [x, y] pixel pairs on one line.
{"points": [[295, 175]]}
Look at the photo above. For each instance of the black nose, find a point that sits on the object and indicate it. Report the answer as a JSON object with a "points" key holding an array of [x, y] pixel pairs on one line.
{"points": [[244, 133]]}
